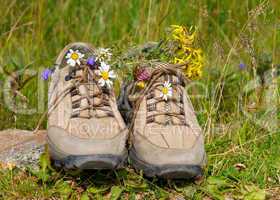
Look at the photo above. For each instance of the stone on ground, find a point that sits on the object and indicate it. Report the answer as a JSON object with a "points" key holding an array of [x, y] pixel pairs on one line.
{"points": [[20, 147]]}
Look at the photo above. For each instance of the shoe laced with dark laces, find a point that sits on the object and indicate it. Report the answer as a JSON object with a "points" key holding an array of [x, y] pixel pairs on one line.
{"points": [[166, 110], [172, 75], [89, 98], [86, 94]]}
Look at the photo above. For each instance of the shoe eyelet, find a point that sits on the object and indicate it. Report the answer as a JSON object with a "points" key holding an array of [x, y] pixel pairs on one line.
{"points": [[151, 107], [150, 119], [68, 77]]}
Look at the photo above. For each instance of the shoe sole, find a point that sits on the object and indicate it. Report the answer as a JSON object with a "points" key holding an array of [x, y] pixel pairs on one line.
{"points": [[166, 171], [85, 162]]}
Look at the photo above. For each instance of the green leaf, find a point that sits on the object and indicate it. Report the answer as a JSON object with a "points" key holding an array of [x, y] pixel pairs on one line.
{"points": [[161, 194], [255, 195], [116, 192], [122, 174], [219, 181], [276, 164], [64, 189], [136, 183], [43, 175], [98, 196], [97, 190], [232, 173], [43, 160], [214, 192], [85, 196], [189, 191], [252, 192], [132, 196]]}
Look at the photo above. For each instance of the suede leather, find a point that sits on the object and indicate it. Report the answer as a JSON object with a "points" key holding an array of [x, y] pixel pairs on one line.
{"points": [[156, 155], [169, 144], [67, 145], [98, 134]]}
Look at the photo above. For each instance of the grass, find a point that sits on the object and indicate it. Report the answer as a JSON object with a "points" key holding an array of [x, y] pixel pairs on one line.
{"points": [[241, 124]]}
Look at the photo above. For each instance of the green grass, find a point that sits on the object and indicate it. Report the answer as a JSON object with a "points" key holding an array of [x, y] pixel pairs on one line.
{"points": [[236, 130]]}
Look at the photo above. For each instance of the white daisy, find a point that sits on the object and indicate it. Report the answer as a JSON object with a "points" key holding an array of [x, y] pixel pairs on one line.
{"points": [[73, 57], [103, 54], [106, 74], [166, 90]]}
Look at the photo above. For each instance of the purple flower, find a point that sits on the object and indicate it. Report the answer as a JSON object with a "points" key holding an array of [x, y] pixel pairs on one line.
{"points": [[242, 66], [46, 74], [91, 62]]}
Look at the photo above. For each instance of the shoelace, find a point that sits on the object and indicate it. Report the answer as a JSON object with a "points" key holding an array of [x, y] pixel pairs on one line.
{"points": [[162, 69], [76, 81], [178, 102], [82, 93]]}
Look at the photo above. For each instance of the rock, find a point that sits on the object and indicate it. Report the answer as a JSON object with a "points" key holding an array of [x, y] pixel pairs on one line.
{"points": [[20, 147]]}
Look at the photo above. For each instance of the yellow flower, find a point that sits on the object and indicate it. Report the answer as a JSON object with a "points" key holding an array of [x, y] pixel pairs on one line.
{"points": [[182, 35], [186, 51], [9, 165], [141, 84]]}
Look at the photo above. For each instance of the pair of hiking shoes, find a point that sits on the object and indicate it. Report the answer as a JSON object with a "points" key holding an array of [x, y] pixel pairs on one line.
{"points": [[86, 129]]}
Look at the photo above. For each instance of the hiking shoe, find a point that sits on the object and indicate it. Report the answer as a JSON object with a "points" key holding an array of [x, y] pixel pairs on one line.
{"points": [[85, 128], [166, 139]]}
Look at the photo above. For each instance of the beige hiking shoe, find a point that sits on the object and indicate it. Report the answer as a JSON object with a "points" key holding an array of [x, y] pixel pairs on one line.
{"points": [[85, 128], [166, 139]]}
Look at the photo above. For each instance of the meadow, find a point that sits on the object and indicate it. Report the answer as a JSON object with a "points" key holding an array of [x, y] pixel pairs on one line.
{"points": [[236, 99]]}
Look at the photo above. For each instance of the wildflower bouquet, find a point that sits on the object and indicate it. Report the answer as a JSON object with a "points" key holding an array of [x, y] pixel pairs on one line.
{"points": [[178, 46], [176, 53]]}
